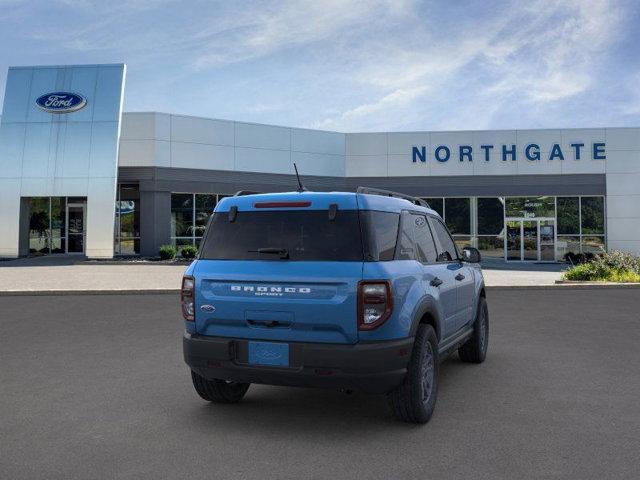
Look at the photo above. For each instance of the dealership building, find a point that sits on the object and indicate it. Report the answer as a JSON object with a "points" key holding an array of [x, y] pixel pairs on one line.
{"points": [[79, 176]]}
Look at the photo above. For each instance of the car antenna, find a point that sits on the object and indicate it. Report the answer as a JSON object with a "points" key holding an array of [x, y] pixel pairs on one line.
{"points": [[300, 186]]}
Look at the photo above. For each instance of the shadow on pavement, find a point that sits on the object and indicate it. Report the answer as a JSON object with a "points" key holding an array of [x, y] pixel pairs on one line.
{"points": [[499, 264], [44, 261], [294, 412]]}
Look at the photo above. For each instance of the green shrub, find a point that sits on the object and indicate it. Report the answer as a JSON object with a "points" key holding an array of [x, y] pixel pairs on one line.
{"points": [[167, 252], [607, 267], [617, 260], [188, 251], [624, 277], [582, 271]]}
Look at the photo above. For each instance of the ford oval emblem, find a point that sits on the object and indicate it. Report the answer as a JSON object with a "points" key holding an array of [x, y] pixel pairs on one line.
{"points": [[61, 102]]}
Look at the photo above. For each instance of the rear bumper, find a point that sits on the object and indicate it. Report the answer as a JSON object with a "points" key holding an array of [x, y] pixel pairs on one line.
{"points": [[374, 367]]}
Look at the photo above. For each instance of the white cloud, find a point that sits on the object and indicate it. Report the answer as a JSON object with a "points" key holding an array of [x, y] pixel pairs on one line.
{"points": [[534, 55], [551, 56], [398, 98], [347, 64], [282, 25]]}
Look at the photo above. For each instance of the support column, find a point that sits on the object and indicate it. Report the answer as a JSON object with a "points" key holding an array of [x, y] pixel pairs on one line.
{"points": [[155, 221]]}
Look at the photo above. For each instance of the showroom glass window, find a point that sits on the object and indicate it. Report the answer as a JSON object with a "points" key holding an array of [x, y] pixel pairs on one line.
{"points": [[127, 227], [47, 224], [58, 223], [479, 221], [568, 226], [40, 225], [592, 220], [490, 227], [456, 213], [581, 225], [530, 207], [457, 217], [190, 213], [437, 204]]}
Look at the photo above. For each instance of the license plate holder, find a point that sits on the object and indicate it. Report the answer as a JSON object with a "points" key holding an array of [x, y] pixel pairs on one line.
{"points": [[269, 353]]}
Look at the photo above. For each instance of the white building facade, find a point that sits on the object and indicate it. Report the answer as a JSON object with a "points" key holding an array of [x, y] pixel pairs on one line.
{"points": [[520, 195]]}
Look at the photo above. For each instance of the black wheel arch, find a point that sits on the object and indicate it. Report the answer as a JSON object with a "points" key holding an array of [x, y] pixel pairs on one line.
{"points": [[482, 293], [427, 313]]}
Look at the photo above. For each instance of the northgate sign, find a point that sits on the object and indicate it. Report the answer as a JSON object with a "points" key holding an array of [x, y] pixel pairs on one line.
{"points": [[531, 152]]}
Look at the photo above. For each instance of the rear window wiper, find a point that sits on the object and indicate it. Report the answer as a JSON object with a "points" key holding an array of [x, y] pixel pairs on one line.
{"points": [[283, 252]]}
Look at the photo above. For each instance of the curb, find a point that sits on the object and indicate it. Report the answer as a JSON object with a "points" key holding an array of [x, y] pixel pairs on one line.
{"points": [[110, 262], [566, 286], [581, 282]]}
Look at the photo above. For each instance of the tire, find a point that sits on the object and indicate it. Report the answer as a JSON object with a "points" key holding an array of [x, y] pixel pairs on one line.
{"points": [[475, 349], [415, 399], [219, 391]]}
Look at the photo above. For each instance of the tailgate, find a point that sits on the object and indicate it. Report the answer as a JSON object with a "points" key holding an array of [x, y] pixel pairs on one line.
{"points": [[278, 300]]}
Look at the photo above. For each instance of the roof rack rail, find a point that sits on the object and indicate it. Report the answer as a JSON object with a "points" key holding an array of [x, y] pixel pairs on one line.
{"points": [[242, 193], [389, 193]]}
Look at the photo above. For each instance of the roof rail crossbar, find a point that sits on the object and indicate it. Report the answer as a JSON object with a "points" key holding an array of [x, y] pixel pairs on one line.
{"points": [[389, 193], [241, 193]]}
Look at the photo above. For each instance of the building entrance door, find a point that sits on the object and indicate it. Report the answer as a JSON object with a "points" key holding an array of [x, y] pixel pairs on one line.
{"points": [[76, 219], [532, 240]]}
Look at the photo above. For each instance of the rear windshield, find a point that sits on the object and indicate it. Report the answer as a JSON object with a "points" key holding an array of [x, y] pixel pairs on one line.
{"points": [[302, 235], [274, 235]]}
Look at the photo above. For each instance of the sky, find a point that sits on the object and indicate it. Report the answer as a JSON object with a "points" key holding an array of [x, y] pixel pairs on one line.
{"points": [[351, 65]]}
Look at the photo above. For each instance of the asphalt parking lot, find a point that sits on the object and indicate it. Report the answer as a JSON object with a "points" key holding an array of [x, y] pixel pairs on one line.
{"points": [[95, 387]]}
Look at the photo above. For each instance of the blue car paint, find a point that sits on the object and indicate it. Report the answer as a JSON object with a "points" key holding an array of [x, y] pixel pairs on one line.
{"points": [[330, 314], [318, 200], [325, 315]]}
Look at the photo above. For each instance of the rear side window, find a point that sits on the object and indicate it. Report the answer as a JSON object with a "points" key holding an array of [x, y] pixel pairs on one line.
{"points": [[415, 241], [303, 234], [406, 248], [447, 248], [380, 232], [425, 247]]}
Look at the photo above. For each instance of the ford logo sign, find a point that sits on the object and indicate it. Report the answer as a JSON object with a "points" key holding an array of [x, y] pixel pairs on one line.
{"points": [[61, 102]]}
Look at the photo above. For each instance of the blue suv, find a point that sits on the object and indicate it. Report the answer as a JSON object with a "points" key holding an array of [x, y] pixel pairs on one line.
{"points": [[355, 291]]}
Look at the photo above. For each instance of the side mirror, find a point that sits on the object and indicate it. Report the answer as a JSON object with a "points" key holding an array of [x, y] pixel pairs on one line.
{"points": [[471, 255]]}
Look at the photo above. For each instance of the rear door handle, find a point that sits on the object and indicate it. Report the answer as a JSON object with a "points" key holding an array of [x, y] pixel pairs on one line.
{"points": [[436, 282], [459, 277]]}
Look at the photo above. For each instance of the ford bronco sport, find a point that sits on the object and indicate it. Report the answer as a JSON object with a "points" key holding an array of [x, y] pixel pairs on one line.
{"points": [[356, 291]]}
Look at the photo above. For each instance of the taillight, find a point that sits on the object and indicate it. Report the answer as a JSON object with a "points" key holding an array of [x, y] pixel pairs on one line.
{"points": [[187, 298], [375, 303]]}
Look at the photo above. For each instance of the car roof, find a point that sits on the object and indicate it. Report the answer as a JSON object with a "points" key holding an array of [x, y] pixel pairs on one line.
{"points": [[319, 201]]}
